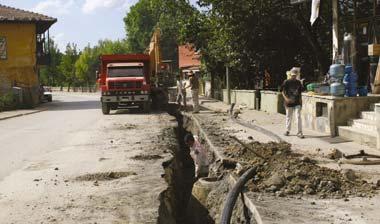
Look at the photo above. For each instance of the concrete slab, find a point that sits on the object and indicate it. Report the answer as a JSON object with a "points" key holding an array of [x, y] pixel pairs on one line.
{"points": [[358, 135]]}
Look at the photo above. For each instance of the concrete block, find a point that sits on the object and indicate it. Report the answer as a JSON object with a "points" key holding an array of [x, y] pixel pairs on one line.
{"points": [[357, 135], [377, 111], [368, 115], [272, 102], [363, 124], [241, 97]]}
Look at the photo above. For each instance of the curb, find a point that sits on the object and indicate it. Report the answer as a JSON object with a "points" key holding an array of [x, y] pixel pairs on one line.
{"points": [[232, 180], [23, 114]]}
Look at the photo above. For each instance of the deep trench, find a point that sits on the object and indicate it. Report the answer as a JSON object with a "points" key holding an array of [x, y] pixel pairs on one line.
{"points": [[176, 202]]}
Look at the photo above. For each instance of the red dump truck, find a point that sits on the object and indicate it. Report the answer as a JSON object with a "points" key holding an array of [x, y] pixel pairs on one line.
{"points": [[124, 81]]}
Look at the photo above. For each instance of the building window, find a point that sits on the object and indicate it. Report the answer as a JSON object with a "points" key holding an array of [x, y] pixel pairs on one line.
{"points": [[3, 48]]}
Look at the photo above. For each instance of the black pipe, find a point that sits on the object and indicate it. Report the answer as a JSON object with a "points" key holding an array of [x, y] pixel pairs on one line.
{"points": [[234, 194]]}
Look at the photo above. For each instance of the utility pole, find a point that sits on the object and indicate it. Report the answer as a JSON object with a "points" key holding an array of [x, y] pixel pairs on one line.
{"points": [[228, 80], [335, 30]]}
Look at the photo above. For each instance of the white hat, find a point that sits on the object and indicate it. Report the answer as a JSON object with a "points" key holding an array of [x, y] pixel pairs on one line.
{"points": [[295, 71]]}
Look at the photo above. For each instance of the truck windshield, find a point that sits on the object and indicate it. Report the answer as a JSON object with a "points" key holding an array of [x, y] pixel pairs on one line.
{"points": [[127, 71]]}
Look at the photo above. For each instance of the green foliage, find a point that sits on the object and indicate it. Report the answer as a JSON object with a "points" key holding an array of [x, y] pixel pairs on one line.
{"points": [[50, 74], [250, 36], [143, 17], [67, 65], [139, 24], [6, 101], [88, 61]]}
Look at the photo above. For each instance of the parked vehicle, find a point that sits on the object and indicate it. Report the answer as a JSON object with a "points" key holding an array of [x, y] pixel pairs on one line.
{"points": [[46, 94], [135, 80], [125, 81]]}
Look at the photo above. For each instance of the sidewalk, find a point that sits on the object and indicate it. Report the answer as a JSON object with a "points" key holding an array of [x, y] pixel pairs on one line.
{"points": [[276, 124], [315, 144], [18, 113]]}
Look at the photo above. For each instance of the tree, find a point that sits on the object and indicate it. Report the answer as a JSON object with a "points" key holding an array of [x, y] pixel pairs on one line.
{"points": [[50, 74], [67, 65], [88, 61], [146, 15], [139, 24], [251, 36]]}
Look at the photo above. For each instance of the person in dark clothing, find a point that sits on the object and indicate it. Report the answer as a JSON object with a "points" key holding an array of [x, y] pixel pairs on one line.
{"points": [[292, 93]]}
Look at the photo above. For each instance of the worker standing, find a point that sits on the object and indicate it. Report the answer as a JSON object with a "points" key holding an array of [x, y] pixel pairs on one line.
{"points": [[181, 91], [292, 93], [194, 85], [199, 155]]}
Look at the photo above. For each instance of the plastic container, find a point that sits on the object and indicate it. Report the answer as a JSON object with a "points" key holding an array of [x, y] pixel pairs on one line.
{"points": [[312, 87], [337, 71], [337, 89], [323, 90], [363, 91], [348, 69], [350, 81]]}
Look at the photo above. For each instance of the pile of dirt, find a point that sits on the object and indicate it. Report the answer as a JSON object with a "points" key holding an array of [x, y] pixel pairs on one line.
{"points": [[284, 173], [147, 157], [127, 126], [104, 176]]}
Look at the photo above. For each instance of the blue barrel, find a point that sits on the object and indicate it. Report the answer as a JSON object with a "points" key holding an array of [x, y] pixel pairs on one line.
{"points": [[363, 91], [348, 69], [351, 91], [337, 71], [350, 80], [337, 89]]}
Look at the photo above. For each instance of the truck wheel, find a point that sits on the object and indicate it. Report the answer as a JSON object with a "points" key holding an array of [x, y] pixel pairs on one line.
{"points": [[146, 107], [106, 108], [50, 99]]}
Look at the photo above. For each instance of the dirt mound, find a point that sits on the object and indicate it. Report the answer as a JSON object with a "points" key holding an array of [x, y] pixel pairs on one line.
{"points": [[282, 172], [104, 176], [147, 157]]}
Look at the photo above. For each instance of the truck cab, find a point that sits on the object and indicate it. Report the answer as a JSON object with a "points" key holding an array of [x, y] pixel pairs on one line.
{"points": [[125, 82]]}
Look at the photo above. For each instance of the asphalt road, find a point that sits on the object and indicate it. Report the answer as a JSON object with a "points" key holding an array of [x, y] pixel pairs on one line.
{"points": [[25, 137], [44, 156]]}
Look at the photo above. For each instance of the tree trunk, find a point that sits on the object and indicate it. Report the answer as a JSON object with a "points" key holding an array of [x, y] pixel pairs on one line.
{"points": [[320, 55]]}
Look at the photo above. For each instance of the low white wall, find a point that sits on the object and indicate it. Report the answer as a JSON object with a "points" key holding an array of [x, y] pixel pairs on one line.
{"points": [[241, 97], [377, 110], [272, 102]]}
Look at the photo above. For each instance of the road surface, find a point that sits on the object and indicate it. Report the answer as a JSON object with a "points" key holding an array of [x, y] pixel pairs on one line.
{"points": [[71, 164]]}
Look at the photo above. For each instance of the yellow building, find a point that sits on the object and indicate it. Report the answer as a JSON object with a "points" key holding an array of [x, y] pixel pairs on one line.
{"points": [[23, 50]]}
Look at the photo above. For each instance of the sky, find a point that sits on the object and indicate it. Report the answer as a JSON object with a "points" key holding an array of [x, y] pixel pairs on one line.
{"points": [[80, 21]]}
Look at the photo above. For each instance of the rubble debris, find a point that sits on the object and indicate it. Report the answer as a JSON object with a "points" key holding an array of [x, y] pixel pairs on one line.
{"points": [[104, 176], [335, 154], [349, 174], [147, 157], [128, 126], [286, 173]]}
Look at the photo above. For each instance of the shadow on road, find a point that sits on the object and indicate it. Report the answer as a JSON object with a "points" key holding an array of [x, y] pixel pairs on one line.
{"points": [[58, 105], [74, 105]]}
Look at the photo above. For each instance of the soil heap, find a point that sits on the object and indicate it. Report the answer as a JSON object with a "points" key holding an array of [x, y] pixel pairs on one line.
{"points": [[285, 173]]}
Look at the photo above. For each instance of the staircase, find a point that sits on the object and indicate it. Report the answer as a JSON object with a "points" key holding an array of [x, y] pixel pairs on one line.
{"points": [[362, 131]]}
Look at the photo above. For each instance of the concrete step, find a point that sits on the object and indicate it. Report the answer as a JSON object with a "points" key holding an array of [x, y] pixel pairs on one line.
{"points": [[368, 115], [358, 135], [363, 124]]}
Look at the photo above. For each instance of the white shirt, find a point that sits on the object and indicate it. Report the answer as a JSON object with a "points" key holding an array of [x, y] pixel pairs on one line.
{"points": [[199, 153], [180, 86]]}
